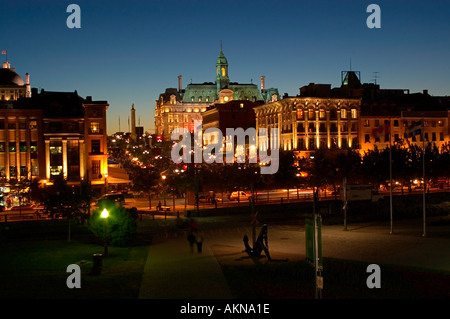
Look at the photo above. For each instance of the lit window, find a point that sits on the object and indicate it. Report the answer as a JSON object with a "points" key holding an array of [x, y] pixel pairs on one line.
{"points": [[225, 98], [299, 114], [322, 114], [354, 116], [343, 113], [33, 124], [95, 127]]}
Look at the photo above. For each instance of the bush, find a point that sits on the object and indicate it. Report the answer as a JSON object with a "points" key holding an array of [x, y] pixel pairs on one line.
{"points": [[119, 228]]}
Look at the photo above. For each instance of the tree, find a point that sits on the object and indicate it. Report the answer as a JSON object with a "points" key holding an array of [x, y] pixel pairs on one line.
{"points": [[145, 180], [62, 199], [119, 228]]}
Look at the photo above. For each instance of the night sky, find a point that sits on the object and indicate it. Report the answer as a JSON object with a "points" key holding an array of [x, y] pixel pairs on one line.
{"points": [[130, 51]]}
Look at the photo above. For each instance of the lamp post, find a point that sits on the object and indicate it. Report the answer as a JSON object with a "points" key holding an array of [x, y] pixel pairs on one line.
{"points": [[104, 214]]}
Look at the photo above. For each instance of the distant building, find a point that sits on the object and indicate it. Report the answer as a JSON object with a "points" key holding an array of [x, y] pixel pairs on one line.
{"points": [[12, 86], [181, 107], [306, 124]]}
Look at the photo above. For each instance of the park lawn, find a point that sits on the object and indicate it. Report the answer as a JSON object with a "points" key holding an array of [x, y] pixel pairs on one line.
{"points": [[37, 270]]}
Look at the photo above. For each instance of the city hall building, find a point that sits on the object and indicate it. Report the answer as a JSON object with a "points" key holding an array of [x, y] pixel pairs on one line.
{"points": [[181, 107]]}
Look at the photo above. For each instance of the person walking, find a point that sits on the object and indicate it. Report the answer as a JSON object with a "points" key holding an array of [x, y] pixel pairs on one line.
{"points": [[199, 241], [191, 240]]}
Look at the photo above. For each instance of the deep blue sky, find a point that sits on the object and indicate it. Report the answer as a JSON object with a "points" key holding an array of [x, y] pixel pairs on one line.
{"points": [[130, 51]]}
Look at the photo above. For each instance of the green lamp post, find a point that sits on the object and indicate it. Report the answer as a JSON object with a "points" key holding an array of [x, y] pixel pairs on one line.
{"points": [[104, 214]]}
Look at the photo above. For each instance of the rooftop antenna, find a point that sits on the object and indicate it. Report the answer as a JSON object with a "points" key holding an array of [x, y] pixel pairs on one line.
{"points": [[375, 77]]}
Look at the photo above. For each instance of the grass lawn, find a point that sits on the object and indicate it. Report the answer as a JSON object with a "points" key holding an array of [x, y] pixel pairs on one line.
{"points": [[37, 269]]}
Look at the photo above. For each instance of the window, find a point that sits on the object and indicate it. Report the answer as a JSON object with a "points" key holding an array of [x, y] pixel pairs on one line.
{"points": [[96, 168], [12, 126], [23, 146], [396, 137], [12, 146], [333, 127], [396, 123], [433, 123], [22, 125], [2, 124], [426, 136], [441, 136], [55, 127], [55, 158], [354, 114], [95, 127], [333, 114], [95, 146], [12, 171], [377, 123], [33, 124], [367, 138], [322, 128], [33, 146], [343, 113], [311, 114], [441, 123], [433, 136], [366, 123], [322, 114]]}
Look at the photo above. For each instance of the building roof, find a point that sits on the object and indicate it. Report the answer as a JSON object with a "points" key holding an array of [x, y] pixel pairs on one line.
{"points": [[54, 104], [8, 77]]}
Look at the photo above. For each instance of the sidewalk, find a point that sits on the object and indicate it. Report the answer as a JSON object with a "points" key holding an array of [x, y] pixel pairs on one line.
{"points": [[173, 272]]}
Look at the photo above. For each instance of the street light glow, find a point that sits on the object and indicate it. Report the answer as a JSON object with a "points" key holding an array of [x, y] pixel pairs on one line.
{"points": [[104, 213]]}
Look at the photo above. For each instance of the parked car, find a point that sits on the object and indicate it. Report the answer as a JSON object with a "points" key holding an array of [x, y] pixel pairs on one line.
{"points": [[113, 197], [241, 194]]}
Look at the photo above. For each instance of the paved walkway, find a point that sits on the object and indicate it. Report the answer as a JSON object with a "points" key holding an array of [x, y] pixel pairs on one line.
{"points": [[173, 272]]}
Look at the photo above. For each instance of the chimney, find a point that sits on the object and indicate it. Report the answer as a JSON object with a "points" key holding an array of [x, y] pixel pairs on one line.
{"points": [[6, 65], [179, 83], [27, 78], [263, 82]]}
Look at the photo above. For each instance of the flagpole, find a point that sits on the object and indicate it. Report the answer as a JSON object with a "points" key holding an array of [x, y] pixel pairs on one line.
{"points": [[390, 173], [424, 181]]}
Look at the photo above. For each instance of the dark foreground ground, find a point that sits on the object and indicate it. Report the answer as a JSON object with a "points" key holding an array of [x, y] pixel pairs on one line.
{"points": [[34, 259]]}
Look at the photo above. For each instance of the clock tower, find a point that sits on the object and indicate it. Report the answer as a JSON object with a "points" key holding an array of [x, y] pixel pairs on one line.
{"points": [[222, 79]]}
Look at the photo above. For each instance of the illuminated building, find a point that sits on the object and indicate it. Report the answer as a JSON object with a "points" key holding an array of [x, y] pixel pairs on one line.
{"points": [[306, 124], [181, 107], [55, 133], [12, 86], [400, 113]]}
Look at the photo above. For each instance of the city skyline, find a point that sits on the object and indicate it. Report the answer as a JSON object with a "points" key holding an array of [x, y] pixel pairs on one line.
{"points": [[129, 53]]}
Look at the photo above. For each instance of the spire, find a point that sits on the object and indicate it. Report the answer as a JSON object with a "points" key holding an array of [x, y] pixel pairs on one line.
{"points": [[221, 46]]}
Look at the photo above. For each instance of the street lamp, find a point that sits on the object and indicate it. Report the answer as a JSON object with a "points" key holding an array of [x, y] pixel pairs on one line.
{"points": [[104, 214]]}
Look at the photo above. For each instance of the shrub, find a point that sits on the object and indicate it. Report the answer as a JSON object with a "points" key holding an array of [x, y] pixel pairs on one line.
{"points": [[119, 228]]}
